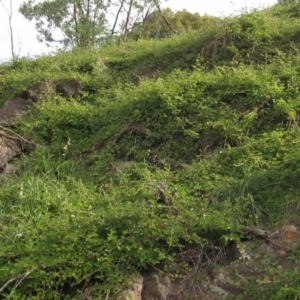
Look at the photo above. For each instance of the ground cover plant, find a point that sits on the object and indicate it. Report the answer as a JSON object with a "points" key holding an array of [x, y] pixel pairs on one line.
{"points": [[175, 144]]}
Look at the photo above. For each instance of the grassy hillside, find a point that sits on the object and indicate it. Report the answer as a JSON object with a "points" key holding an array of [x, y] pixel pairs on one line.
{"points": [[175, 145]]}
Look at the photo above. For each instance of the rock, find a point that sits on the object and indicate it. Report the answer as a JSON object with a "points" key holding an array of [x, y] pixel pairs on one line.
{"points": [[13, 109], [289, 232], [8, 150], [156, 287], [10, 169], [226, 283], [134, 292], [69, 88], [37, 91], [66, 88], [290, 235], [219, 291]]}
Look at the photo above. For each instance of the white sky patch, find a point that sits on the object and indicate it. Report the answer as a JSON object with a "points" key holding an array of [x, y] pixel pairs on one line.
{"points": [[25, 35]]}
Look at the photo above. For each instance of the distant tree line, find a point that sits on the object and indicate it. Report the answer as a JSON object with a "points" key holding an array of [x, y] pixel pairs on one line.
{"points": [[84, 23], [286, 2], [154, 25]]}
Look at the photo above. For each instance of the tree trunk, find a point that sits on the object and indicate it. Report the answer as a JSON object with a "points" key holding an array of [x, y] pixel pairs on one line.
{"points": [[126, 29], [10, 15], [117, 17]]}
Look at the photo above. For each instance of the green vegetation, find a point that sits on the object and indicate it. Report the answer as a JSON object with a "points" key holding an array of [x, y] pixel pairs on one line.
{"points": [[183, 21], [207, 121]]}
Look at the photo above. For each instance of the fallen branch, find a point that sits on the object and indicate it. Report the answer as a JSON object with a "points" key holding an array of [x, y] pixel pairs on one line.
{"points": [[265, 234], [279, 248], [269, 238], [20, 278], [18, 137], [257, 232]]}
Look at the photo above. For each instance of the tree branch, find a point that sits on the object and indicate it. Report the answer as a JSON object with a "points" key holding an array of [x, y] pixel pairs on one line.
{"points": [[269, 238], [164, 17], [117, 17], [126, 29]]}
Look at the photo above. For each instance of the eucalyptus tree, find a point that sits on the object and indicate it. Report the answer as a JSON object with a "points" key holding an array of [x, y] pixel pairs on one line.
{"points": [[84, 22], [70, 22]]}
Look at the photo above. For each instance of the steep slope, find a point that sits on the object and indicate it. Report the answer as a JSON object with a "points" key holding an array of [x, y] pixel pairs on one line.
{"points": [[171, 151]]}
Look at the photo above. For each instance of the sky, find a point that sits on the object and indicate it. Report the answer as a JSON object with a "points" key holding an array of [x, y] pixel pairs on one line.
{"points": [[26, 43]]}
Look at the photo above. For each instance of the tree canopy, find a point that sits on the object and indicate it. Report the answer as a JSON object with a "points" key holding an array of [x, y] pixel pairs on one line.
{"points": [[71, 22], [154, 26], [84, 22], [286, 2]]}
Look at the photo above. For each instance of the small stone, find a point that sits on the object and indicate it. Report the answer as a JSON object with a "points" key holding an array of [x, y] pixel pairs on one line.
{"points": [[8, 150], [289, 233]]}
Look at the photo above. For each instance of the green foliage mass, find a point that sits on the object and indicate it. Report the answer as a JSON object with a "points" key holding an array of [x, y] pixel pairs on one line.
{"points": [[182, 21], [287, 2], [207, 120]]}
